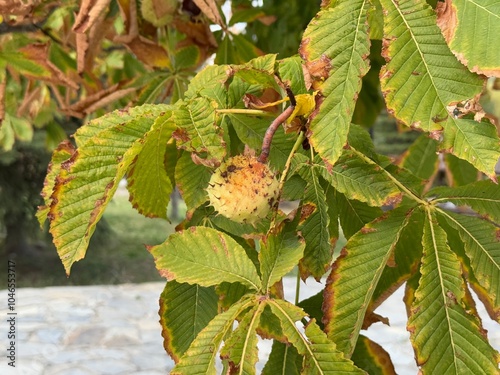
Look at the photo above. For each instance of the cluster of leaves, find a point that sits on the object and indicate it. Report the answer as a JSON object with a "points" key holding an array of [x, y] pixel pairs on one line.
{"points": [[84, 58], [399, 227]]}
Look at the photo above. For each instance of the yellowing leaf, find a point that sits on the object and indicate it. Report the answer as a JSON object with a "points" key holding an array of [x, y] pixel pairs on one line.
{"points": [[467, 26]]}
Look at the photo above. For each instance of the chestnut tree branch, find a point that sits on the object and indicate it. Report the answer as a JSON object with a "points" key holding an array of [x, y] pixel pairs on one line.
{"points": [[268, 137]]}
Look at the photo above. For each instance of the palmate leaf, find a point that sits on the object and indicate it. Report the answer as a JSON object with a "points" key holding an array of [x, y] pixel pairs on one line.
{"points": [[335, 47], [467, 26], [147, 180], [422, 77], [199, 359], [88, 180], [184, 311], [240, 348], [197, 129], [481, 196], [355, 275], [321, 355], [447, 340], [204, 256], [482, 247], [279, 253]]}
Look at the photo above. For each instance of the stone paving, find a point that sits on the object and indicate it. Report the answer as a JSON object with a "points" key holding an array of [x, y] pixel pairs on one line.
{"points": [[114, 330]]}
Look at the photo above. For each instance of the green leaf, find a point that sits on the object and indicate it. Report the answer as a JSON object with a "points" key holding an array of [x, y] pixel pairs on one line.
{"points": [[240, 348], [321, 355], [422, 76], [361, 141], [292, 74], [279, 253], [88, 180], [353, 214], [370, 101], [62, 153], [251, 131], [403, 262], [192, 180], [197, 129], [360, 180], [446, 338], [375, 20], [459, 172], [184, 311], [355, 274], [418, 89], [314, 225], [204, 256], [335, 47], [371, 357], [283, 360], [23, 130], [229, 294], [199, 359], [24, 65], [458, 246], [7, 136], [474, 142], [147, 180], [482, 247], [421, 158], [326, 358], [209, 83], [467, 26], [313, 306], [481, 196]]}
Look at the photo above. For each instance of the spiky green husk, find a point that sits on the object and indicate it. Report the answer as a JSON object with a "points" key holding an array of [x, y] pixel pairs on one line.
{"points": [[243, 189]]}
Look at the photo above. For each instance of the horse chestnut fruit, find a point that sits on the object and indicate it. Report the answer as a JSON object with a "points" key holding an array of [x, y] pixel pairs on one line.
{"points": [[243, 189]]}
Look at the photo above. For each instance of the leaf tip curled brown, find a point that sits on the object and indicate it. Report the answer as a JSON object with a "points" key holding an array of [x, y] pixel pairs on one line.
{"points": [[447, 19]]}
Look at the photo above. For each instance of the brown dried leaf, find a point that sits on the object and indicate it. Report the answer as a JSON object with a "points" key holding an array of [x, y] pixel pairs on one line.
{"points": [[98, 100], [90, 12], [447, 19], [38, 53], [149, 52], [209, 7], [18, 7]]}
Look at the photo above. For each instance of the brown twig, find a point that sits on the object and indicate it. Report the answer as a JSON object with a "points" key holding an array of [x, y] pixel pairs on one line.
{"points": [[268, 137]]}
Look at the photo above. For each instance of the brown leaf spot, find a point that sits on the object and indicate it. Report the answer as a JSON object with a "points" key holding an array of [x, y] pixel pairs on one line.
{"points": [[307, 210], [167, 274], [320, 68], [447, 19], [393, 199], [181, 135], [366, 230]]}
